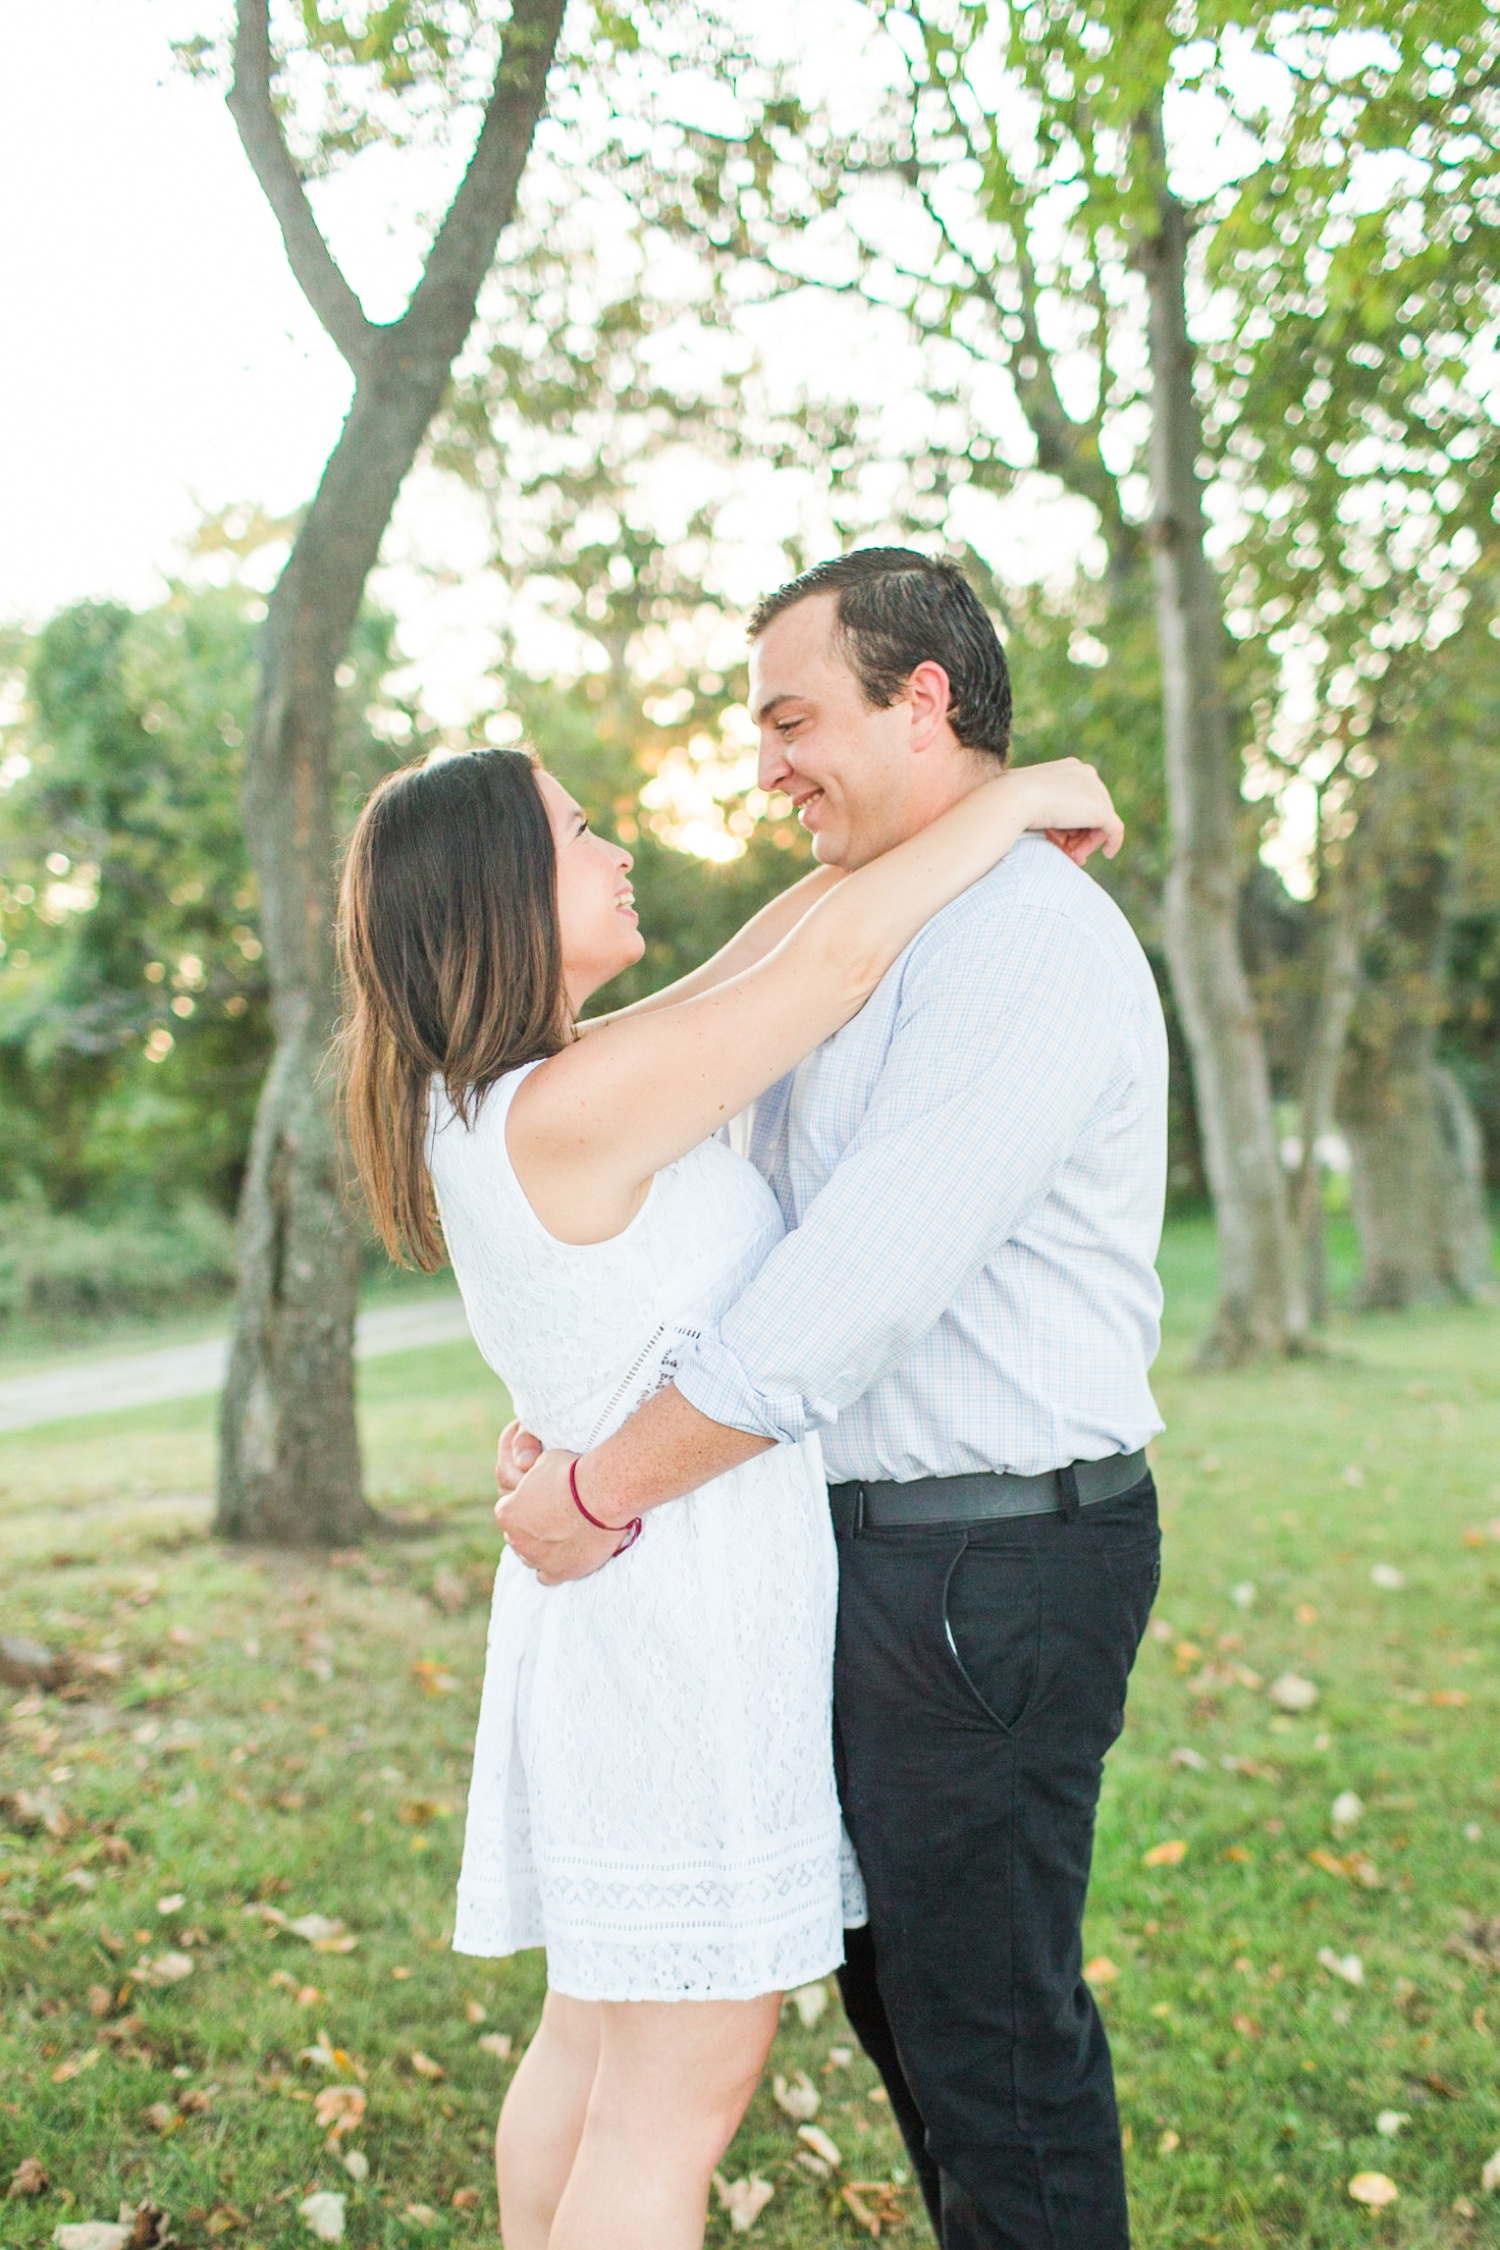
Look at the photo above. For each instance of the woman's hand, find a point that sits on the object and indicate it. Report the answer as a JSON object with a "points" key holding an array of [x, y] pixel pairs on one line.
{"points": [[548, 1533], [1069, 802]]}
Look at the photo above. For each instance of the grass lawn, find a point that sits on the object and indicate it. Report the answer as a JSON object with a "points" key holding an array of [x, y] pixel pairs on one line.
{"points": [[269, 1737]]}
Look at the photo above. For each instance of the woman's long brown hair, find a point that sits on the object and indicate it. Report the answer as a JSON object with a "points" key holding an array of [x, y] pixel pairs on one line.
{"points": [[452, 965]]}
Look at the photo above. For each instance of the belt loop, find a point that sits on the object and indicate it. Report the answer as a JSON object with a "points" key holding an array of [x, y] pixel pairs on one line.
{"points": [[859, 1510], [1068, 1481]]}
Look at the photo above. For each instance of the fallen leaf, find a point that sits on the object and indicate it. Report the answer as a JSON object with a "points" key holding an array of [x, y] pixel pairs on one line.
{"points": [[1347, 1809], [496, 2043], [1186, 1654], [1238, 1853], [1387, 1577], [1373, 2189], [420, 2214], [75, 2066], [357, 2165], [744, 2200], [94, 2234], [798, 2098], [1355, 1867], [197, 2101], [434, 1678], [1246, 2026], [475, 2012], [162, 2118], [1489, 2178], [32, 1809], [324, 2213], [28, 2178], [324, 1933], [79, 1879], [173, 1904], [1292, 1693], [167, 1968], [338, 2110], [225, 2219], [1193, 1761], [1305, 1614], [1390, 2121], [1243, 1595], [809, 2000], [424, 2066], [465, 2199], [418, 1811], [1480, 1942], [1100, 1972], [1348, 1966], [1449, 1698], [25, 1663], [820, 2144], [1169, 2143], [1170, 1854]]}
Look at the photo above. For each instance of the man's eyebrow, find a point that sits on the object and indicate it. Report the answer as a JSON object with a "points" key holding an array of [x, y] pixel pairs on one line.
{"points": [[773, 704]]}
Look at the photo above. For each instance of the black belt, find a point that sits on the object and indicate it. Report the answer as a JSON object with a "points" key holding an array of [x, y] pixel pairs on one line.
{"points": [[985, 1498]]}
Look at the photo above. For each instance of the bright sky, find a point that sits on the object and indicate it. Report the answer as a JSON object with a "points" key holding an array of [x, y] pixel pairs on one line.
{"points": [[159, 357]]}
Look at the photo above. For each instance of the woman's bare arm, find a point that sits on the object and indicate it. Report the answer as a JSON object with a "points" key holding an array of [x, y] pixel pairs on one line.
{"points": [[589, 1128], [751, 943]]}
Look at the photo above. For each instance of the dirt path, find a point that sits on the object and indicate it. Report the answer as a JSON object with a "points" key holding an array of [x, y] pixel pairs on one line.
{"points": [[83, 1386]]}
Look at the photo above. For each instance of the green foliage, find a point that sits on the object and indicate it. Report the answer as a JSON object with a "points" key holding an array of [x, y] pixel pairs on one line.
{"points": [[133, 1003], [57, 1269]]}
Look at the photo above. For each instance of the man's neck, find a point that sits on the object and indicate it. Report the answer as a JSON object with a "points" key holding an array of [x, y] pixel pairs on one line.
{"points": [[958, 778]]}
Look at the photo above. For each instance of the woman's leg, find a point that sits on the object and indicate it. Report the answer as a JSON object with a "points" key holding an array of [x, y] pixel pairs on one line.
{"points": [[672, 2084], [541, 2120]]}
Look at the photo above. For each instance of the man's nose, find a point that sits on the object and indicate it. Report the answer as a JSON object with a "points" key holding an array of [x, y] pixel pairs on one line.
{"points": [[774, 765]]}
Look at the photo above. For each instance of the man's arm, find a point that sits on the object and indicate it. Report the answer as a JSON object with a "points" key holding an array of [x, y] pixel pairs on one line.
{"points": [[665, 1450]]}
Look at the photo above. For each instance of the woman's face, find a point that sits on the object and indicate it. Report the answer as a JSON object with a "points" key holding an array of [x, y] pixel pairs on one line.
{"points": [[595, 904]]}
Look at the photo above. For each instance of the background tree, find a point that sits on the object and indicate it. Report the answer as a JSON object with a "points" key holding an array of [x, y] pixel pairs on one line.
{"points": [[1180, 247], [289, 1449]]}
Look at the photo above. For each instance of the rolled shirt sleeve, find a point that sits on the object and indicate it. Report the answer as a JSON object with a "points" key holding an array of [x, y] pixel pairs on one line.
{"points": [[996, 1065]]}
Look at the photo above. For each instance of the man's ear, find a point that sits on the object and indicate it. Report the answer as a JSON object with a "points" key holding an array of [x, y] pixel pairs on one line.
{"points": [[929, 695]]}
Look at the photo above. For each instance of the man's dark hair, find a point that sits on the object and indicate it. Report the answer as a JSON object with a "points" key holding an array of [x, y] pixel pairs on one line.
{"points": [[898, 609]]}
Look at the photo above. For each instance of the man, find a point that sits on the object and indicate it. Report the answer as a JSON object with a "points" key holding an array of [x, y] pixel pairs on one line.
{"points": [[966, 1306]]}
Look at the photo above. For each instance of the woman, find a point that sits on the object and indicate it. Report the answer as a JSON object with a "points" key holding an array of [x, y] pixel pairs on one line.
{"points": [[653, 1794]]}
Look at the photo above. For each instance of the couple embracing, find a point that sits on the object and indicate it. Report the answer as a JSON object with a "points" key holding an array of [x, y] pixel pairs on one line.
{"points": [[830, 1535]]}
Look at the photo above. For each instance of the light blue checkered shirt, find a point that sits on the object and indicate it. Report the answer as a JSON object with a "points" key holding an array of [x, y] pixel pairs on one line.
{"points": [[972, 1173]]}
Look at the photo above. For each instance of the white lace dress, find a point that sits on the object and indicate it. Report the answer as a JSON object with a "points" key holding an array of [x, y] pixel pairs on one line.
{"points": [[653, 1796]]}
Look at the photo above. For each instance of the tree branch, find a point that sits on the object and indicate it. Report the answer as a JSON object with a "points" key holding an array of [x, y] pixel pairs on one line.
{"points": [[312, 262], [442, 304]]}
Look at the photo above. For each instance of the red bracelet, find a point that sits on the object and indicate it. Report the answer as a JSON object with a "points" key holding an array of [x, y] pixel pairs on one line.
{"points": [[632, 1530]]}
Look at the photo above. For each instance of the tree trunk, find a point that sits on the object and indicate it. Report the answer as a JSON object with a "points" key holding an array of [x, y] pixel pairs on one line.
{"points": [[1468, 1247], [1409, 1135], [1346, 927], [289, 1448], [1261, 1301]]}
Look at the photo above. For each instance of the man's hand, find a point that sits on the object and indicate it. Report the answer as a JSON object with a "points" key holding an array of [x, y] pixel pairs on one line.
{"points": [[519, 1451], [541, 1523]]}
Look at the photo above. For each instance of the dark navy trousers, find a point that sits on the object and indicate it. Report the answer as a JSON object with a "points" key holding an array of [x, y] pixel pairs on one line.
{"points": [[980, 1678]]}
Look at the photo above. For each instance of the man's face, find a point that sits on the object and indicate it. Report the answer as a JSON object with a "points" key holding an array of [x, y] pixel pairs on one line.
{"points": [[850, 771]]}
